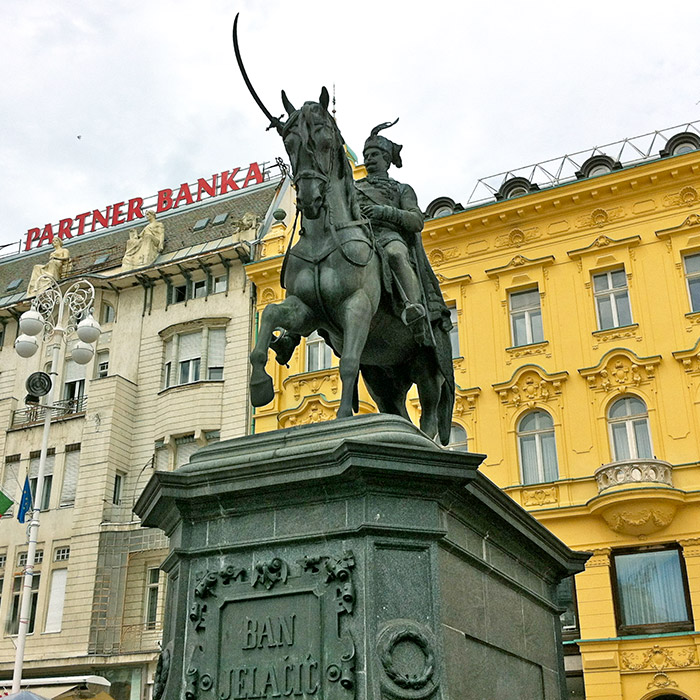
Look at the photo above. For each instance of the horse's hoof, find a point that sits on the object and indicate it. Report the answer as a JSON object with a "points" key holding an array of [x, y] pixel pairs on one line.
{"points": [[262, 391]]}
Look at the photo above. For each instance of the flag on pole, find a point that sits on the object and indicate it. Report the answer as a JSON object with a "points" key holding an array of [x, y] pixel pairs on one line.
{"points": [[5, 502], [25, 504]]}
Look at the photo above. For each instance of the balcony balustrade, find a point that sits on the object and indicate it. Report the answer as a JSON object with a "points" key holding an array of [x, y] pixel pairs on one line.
{"points": [[33, 415], [633, 471]]}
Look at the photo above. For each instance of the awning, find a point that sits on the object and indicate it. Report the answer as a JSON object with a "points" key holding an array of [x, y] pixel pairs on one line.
{"points": [[64, 687]]}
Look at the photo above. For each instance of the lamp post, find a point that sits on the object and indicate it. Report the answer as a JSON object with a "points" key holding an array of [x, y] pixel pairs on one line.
{"points": [[46, 314]]}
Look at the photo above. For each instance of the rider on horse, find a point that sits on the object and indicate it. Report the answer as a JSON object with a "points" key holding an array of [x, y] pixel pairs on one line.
{"points": [[397, 221]]}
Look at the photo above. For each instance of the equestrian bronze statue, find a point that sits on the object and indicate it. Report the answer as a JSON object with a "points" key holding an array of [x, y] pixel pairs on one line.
{"points": [[358, 274]]}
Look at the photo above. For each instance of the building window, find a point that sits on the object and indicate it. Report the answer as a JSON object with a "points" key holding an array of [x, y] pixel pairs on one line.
{"points": [[57, 597], [107, 313], [74, 384], [220, 283], [2, 334], [34, 459], [117, 490], [629, 429], [178, 293], [13, 619], [22, 558], [199, 289], [566, 600], [526, 317], [458, 438], [152, 589], [454, 333], [612, 301], [71, 466], [102, 364], [192, 356], [318, 353], [61, 554], [3, 562], [651, 591], [537, 447], [692, 276], [10, 481]]}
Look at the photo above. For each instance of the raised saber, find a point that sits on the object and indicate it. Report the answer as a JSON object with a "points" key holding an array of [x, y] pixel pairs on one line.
{"points": [[274, 121]]}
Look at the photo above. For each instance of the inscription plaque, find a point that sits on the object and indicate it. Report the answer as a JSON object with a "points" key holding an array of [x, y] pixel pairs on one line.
{"points": [[280, 630]]}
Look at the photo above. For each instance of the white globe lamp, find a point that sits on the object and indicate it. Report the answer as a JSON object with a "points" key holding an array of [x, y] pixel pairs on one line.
{"points": [[89, 329], [26, 345], [31, 322], [82, 353]]}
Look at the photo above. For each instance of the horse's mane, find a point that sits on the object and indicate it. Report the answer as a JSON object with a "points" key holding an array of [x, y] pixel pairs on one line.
{"points": [[305, 117]]}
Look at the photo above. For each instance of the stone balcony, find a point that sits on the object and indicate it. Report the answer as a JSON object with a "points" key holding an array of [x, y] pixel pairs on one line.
{"points": [[636, 496], [633, 471]]}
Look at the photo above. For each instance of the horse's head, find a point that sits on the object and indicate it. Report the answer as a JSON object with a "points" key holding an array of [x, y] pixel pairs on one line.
{"points": [[315, 149]]}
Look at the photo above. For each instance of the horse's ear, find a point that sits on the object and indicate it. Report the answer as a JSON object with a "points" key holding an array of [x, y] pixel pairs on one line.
{"points": [[324, 99], [287, 104]]}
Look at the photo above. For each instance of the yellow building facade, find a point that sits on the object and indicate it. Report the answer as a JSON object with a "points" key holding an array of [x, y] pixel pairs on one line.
{"points": [[577, 361]]}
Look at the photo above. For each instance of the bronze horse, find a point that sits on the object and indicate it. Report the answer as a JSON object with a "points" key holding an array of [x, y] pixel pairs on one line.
{"points": [[333, 278]]}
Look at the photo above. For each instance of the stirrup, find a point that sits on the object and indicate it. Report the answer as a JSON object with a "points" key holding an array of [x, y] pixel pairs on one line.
{"points": [[412, 313]]}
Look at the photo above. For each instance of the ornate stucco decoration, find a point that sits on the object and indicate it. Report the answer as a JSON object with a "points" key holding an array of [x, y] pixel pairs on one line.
{"points": [[438, 256], [689, 359], [691, 547], [312, 409], [465, 400], [540, 496], [659, 661], [600, 557], [620, 370], [518, 352], [143, 246], [691, 225], [517, 237], [603, 245], [686, 197], [530, 386], [325, 381], [519, 263], [600, 217], [275, 242]]}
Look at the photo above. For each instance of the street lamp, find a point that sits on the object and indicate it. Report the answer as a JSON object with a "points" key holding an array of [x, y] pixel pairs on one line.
{"points": [[46, 314]]}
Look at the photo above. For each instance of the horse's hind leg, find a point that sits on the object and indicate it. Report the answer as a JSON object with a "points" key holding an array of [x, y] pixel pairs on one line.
{"points": [[292, 315], [429, 384]]}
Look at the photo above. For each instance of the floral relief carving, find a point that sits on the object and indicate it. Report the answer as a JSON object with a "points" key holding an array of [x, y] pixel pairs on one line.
{"points": [[517, 237], [617, 334], [268, 295], [313, 383], [540, 496], [530, 387], [437, 256], [309, 412], [600, 217], [620, 372], [658, 659], [527, 351], [641, 520], [690, 359], [686, 197], [465, 401]]}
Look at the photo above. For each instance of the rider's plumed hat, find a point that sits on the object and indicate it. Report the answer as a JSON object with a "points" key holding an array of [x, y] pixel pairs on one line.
{"points": [[384, 144]]}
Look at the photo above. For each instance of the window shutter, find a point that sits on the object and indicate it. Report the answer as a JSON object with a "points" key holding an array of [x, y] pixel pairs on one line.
{"points": [[57, 596], [70, 477], [34, 465], [168, 351], [190, 346], [217, 343], [73, 371], [161, 458], [10, 482]]}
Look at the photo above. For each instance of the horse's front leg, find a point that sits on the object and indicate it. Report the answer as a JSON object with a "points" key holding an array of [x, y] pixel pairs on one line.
{"points": [[356, 316], [292, 315]]}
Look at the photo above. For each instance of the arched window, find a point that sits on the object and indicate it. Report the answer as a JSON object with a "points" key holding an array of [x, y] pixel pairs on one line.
{"points": [[629, 429], [458, 438], [537, 447], [318, 354]]}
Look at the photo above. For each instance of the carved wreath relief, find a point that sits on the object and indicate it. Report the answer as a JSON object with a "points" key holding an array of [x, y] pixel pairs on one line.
{"points": [[276, 630]]}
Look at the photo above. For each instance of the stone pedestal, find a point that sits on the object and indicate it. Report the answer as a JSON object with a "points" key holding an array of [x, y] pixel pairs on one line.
{"points": [[353, 560]]}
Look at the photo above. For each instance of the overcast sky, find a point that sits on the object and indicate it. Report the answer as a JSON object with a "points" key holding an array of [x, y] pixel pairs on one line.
{"points": [[153, 92]]}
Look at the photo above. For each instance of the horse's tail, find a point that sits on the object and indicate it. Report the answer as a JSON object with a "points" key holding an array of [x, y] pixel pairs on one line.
{"points": [[445, 407]]}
